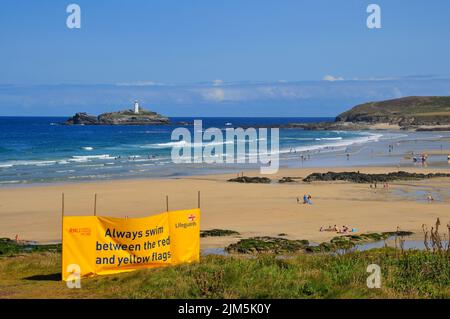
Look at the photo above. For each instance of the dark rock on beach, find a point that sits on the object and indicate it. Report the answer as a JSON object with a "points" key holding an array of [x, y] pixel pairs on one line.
{"points": [[267, 245], [247, 179], [217, 233], [288, 179], [351, 240], [434, 129], [357, 177], [274, 245]]}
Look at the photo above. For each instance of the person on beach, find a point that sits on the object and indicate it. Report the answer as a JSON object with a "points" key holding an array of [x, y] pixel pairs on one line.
{"points": [[346, 229], [329, 228], [307, 199]]}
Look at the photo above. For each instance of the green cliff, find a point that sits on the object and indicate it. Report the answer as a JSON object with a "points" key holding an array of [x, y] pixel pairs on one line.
{"points": [[405, 112]]}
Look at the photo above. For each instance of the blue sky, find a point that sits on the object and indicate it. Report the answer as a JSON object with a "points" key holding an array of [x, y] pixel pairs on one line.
{"points": [[223, 58]]}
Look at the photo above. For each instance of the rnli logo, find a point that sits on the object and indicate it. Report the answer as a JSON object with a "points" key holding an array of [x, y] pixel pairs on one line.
{"points": [[192, 217], [84, 231]]}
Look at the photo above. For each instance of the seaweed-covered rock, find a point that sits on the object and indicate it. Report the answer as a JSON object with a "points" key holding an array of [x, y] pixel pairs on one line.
{"points": [[267, 245], [400, 233], [217, 233], [349, 241], [247, 179], [275, 245], [357, 177], [287, 180], [321, 248]]}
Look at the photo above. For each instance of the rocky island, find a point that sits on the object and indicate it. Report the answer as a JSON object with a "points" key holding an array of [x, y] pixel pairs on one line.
{"points": [[138, 116], [419, 113]]}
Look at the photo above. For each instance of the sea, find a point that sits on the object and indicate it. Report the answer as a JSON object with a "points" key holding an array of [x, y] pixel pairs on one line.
{"points": [[41, 150]]}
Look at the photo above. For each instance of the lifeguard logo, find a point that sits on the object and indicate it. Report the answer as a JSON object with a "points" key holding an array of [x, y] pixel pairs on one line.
{"points": [[191, 222], [83, 231]]}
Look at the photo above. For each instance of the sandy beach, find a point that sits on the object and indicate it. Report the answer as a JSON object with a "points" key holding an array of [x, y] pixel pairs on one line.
{"points": [[34, 212]]}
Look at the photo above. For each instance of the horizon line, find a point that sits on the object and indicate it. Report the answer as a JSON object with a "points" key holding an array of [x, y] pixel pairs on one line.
{"points": [[219, 82]]}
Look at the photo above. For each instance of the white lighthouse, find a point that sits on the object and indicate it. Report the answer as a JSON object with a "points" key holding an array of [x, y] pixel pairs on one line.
{"points": [[136, 107]]}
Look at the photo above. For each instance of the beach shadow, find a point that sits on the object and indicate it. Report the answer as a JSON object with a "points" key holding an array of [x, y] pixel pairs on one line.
{"points": [[49, 277]]}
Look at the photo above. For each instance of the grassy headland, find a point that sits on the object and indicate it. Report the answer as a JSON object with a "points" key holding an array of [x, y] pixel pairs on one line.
{"points": [[407, 111], [421, 113]]}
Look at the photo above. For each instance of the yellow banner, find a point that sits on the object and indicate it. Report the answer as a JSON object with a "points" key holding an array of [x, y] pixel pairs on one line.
{"points": [[95, 245]]}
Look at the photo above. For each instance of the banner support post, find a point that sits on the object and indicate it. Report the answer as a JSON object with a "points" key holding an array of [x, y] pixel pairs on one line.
{"points": [[167, 203], [62, 216], [62, 231], [95, 204], [198, 199]]}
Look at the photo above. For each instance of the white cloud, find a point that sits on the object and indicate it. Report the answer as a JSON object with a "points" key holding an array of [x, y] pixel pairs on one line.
{"points": [[215, 95], [217, 82], [139, 83], [332, 78], [66, 99]]}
